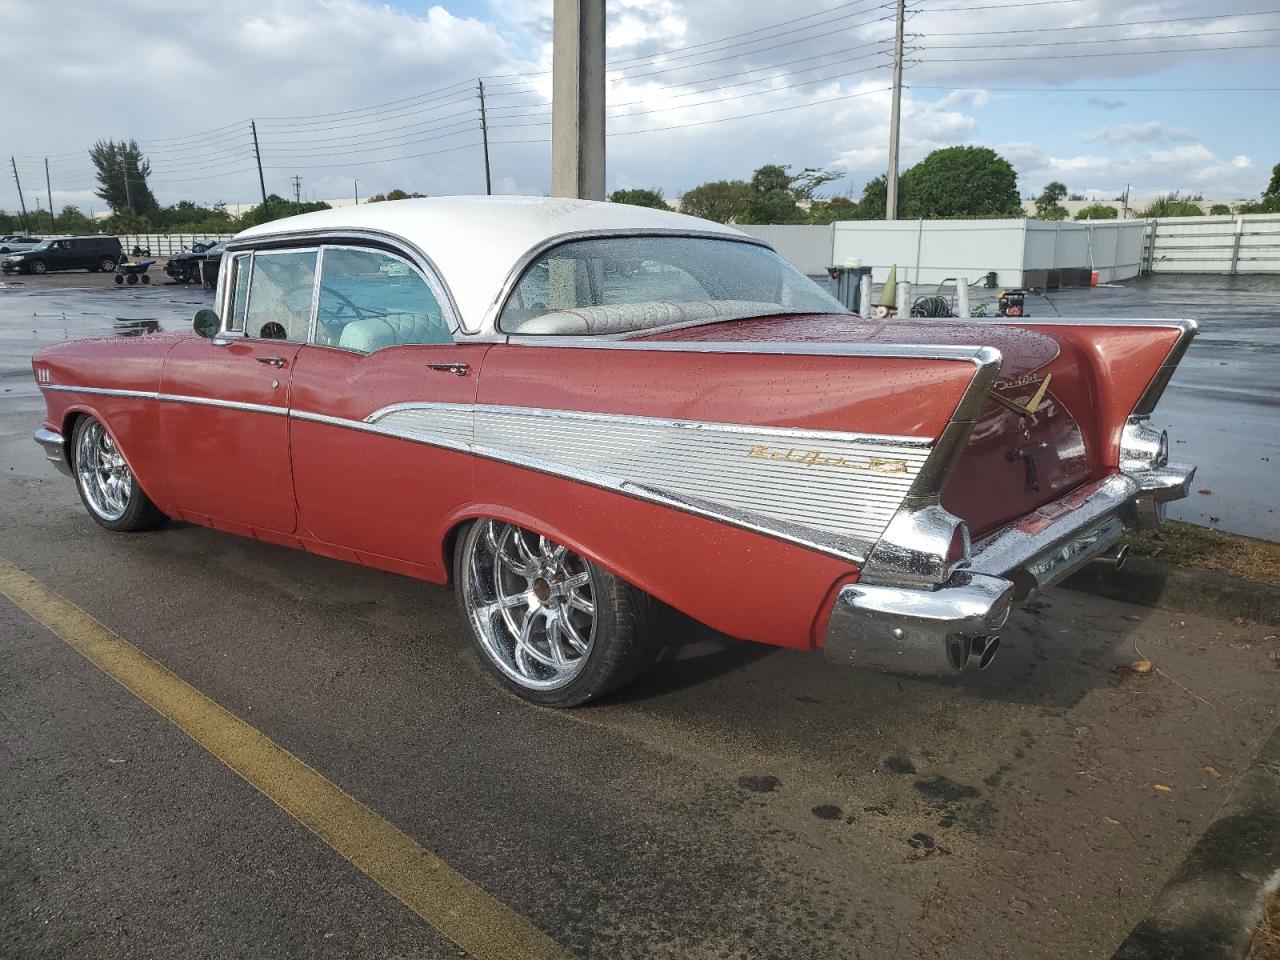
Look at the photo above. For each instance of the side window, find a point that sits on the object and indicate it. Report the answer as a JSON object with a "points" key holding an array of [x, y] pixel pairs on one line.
{"points": [[370, 300], [281, 285]]}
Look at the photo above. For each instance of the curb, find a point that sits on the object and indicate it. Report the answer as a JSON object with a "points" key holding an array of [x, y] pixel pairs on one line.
{"points": [[1187, 589], [1211, 904]]}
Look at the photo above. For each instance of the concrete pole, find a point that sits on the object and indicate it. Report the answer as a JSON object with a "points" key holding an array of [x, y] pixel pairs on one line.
{"points": [[864, 295], [904, 298], [895, 118], [962, 297], [577, 100]]}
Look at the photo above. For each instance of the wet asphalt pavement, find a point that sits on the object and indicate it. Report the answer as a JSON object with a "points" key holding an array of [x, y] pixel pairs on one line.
{"points": [[740, 801]]}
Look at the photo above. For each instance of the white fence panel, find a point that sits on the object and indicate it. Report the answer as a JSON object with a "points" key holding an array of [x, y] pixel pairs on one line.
{"points": [[930, 251], [1230, 245], [805, 246]]}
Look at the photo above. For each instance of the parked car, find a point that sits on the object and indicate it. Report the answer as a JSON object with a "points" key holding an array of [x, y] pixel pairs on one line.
{"points": [[16, 243], [69, 253], [186, 267], [585, 414]]}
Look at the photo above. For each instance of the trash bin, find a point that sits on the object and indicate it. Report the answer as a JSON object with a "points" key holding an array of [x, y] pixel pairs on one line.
{"points": [[848, 284]]}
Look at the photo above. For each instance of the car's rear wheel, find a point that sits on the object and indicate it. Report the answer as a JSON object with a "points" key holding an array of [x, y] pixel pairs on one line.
{"points": [[37, 267], [107, 486], [552, 626], [107, 264]]}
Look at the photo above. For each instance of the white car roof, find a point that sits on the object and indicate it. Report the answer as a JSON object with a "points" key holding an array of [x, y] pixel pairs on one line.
{"points": [[475, 242]]}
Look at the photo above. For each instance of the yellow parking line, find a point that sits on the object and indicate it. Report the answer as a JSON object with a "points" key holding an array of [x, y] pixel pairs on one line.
{"points": [[477, 922]]}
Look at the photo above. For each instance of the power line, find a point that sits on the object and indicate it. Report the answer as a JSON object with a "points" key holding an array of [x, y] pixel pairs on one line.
{"points": [[1107, 26], [432, 124], [1065, 43], [416, 156], [1075, 56], [373, 106]]}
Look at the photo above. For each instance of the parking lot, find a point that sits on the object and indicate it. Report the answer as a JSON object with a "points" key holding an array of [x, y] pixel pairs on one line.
{"points": [[740, 801]]}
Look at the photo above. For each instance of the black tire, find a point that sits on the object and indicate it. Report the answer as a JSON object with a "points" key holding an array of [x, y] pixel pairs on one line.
{"points": [[626, 633], [119, 278], [107, 264], [146, 278], [131, 278], [38, 267], [140, 514]]}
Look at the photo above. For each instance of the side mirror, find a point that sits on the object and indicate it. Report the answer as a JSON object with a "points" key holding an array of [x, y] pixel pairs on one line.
{"points": [[206, 323]]}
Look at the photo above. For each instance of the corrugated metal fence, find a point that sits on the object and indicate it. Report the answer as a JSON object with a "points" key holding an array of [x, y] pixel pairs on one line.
{"points": [[167, 244], [1232, 245]]}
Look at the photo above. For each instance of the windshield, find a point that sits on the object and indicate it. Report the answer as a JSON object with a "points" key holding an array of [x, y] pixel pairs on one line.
{"points": [[44, 245], [628, 284]]}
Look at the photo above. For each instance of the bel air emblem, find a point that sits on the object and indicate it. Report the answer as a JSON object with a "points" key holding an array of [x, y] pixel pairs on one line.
{"points": [[1032, 405]]}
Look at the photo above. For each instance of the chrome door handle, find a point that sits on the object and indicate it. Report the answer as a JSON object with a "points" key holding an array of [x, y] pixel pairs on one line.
{"points": [[276, 362], [458, 369]]}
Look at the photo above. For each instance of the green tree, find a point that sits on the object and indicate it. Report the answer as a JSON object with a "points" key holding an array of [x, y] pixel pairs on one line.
{"points": [[833, 209], [396, 194], [724, 201], [122, 174], [776, 193], [960, 182], [275, 208], [1173, 205], [1219, 210], [1098, 211], [875, 195], [1047, 203], [640, 197], [72, 220], [1270, 201]]}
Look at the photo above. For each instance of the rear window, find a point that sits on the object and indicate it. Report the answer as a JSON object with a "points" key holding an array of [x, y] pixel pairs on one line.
{"points": [[627, 284]]}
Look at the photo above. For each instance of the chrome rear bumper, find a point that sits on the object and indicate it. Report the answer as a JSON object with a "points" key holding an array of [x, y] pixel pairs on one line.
{"points": [[924, 632], [54, 446]]}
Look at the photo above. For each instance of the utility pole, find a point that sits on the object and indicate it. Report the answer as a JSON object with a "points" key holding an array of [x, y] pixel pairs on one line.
{"points": [[577, 99], [297, 189], [53, 221], [21, 202], [895, 118], [355, 184], [124, 172], [484, 134], [262, 183]]}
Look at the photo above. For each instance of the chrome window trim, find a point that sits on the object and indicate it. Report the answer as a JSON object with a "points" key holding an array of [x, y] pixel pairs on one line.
{"points": [[315, 295], [338, 237], [248, 294], [433, 289], [974, 354], [489, 322], [227, 290]]}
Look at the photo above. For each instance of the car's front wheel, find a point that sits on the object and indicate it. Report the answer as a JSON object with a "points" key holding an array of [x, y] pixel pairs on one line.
{"points": [[107, 486], [552, 626], [37, 267]]}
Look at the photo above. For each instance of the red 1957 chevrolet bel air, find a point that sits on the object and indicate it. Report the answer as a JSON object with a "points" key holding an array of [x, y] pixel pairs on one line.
{"points": [[583, 413]]}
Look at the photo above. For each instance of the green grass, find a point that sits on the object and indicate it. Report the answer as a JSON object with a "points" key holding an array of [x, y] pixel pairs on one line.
{"points": [[1186, 545]]}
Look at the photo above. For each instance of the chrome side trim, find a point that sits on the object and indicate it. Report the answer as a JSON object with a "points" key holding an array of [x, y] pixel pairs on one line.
{"points": [[974, 354], [914, 547], [1155, 390], [171, 398], [101, 391], [54, 446], [798, 433], [832, 490], [225, 404]]}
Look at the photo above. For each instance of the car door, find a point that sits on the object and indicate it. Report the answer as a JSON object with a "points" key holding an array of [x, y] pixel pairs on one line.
{"points": [[383, 338], [224, 400]]}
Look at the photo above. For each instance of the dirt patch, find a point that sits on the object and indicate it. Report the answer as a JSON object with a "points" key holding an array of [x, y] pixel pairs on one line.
{"points": [[1266, 941], [1186, 545]]}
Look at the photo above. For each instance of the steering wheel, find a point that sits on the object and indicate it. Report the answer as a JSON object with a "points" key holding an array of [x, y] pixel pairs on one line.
{"points": [[332, 321]]}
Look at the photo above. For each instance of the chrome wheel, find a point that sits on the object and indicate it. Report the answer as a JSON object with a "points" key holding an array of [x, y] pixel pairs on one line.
{"points": [[531, 603], [104, 477]]}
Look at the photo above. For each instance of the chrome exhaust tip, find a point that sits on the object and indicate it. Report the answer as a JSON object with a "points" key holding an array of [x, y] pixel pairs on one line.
{"points": [[1115, 557], [983, 650]]}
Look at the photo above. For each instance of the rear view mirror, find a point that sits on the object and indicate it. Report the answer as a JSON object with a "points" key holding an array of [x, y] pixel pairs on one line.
{"points": [[206, 323]]}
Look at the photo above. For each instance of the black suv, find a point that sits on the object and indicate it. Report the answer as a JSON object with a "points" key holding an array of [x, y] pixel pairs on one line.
{"points": [[69, 253]]}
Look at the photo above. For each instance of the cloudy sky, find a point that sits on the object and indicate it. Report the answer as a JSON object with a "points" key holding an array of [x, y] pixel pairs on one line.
{"points": [[1164, 95]]}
